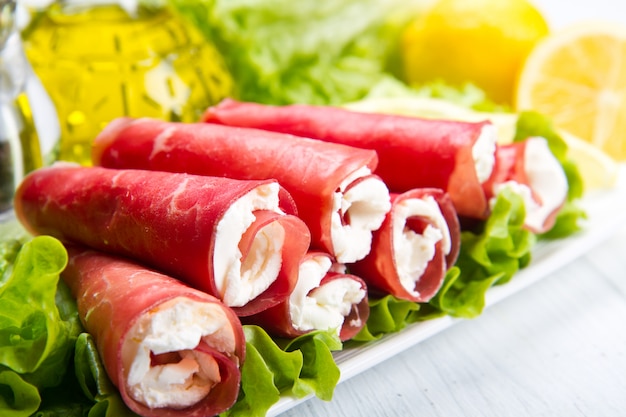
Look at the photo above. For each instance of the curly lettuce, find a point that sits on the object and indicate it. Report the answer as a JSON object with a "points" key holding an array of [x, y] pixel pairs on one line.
{"points": [[101, 397], [38, 323], [388, 314], [300, 367]]}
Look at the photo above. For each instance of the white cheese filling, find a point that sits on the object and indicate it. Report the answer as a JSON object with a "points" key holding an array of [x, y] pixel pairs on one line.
{"points": [[413, 251], [173, 329], [358, 210], [484, 152], [547, 181], [239, 281], [313, 307]]}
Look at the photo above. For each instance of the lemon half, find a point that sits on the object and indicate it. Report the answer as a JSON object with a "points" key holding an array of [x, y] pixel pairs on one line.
{"points": [[577, 77]]}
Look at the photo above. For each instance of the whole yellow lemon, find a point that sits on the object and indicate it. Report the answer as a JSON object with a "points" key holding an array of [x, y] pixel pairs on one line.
{"points": [[483, 42]]}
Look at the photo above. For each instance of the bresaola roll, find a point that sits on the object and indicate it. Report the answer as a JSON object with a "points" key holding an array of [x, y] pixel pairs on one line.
{"points": [[413, 249], [171, 350], [227, 237], [325, 297], [457, 157], [336, 194], [530, 169]]}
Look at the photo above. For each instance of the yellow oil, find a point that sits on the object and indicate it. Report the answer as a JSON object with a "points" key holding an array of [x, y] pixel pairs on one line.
{"points": [[19, 147], [29, 138], [100, 62]]}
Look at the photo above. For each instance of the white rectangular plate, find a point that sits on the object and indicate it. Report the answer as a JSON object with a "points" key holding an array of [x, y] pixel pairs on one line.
{"points": [[606, 211]]}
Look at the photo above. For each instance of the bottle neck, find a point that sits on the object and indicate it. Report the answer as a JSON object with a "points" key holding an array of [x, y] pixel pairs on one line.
{"points": [[14, 68], [7, 20]]}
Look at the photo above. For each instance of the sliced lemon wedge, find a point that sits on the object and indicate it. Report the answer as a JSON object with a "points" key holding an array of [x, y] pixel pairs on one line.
{"points": [[577, 77]]}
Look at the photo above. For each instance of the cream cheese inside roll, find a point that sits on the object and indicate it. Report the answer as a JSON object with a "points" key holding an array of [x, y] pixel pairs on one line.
{"points": [[162, 368], [312, 306], [241, 280], [415, 250], [360, 206]]}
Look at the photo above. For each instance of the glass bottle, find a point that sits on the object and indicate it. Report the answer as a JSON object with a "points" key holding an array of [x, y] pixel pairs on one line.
{"points": [[19, 142], [100, 60]]}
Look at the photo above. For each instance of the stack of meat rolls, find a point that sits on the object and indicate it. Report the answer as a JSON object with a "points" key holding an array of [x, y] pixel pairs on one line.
{"points": [[404, 252], [332, 185], [457, 157], [461, 158]]}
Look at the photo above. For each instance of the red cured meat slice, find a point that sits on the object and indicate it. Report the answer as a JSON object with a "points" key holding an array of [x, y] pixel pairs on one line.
{"points": [[168, 221], [278, 320], [380, 269], [311, 171], [412, 152], [114, 294]]}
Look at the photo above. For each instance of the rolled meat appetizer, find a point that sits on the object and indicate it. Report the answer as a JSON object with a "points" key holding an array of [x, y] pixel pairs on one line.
{"points": [[455, 156], [171, 350], [325, 297], [335, 192], [530, 169], [227, 237], [417, 243]]}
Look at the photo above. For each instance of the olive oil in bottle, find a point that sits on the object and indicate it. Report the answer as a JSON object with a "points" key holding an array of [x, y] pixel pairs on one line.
{"points": [[101, 60]]}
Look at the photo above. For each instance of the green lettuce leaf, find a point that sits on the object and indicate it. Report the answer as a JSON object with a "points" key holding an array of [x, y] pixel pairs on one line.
{"points": [[284, 51], [38, 318], [86, 390], [319, 374], [487, 257], [301, 367], [18, 398], [94, 382], [388, 314], [567, 222], [12, 237], [36, 337]]}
